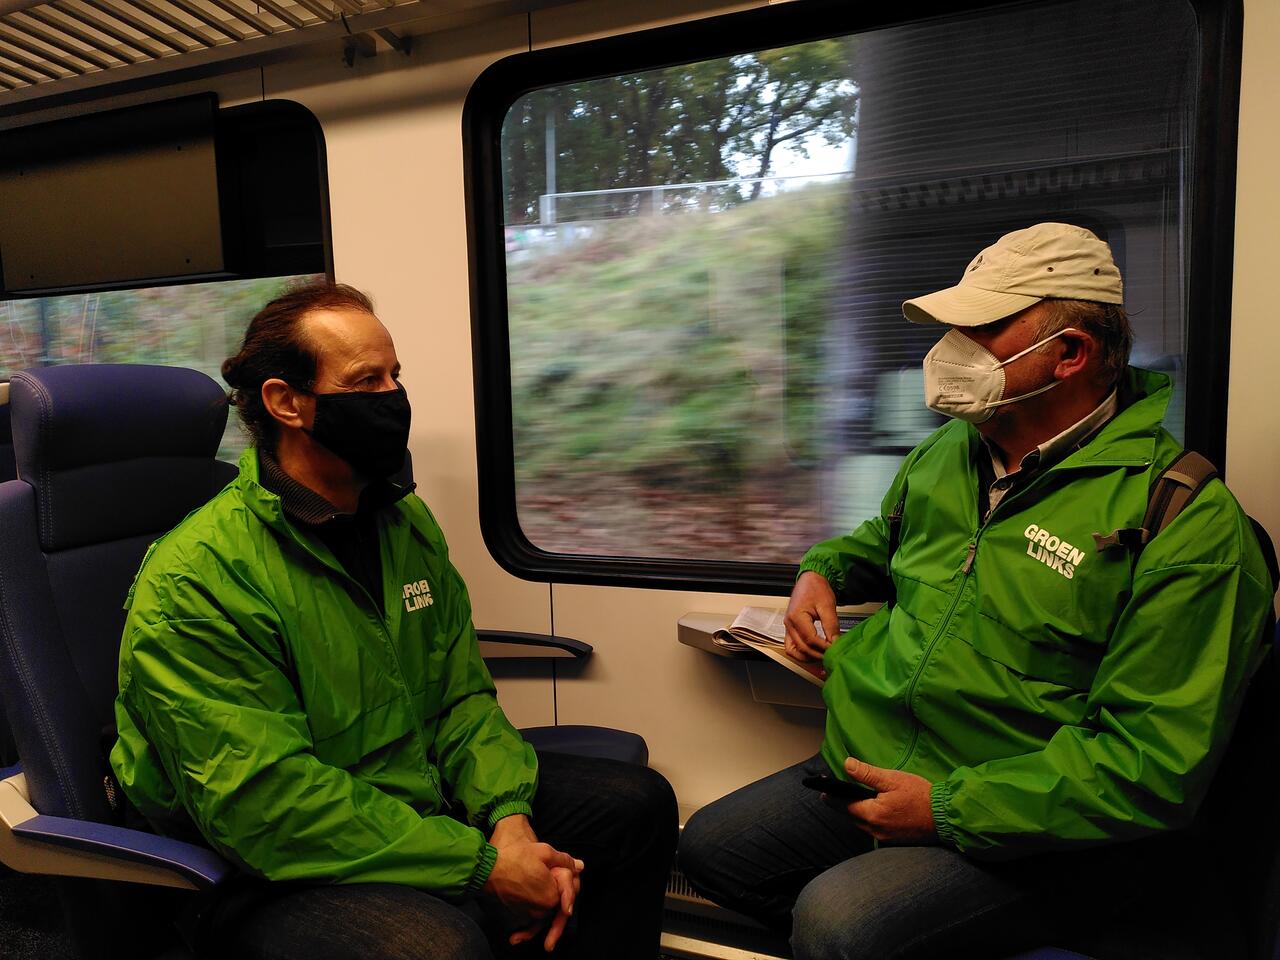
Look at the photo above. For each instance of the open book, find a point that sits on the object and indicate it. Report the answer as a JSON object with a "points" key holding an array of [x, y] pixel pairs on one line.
{"points": [[763, 629]]}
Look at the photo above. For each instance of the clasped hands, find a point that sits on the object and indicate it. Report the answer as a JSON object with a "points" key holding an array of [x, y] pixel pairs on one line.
{"points": [[534, 883]]}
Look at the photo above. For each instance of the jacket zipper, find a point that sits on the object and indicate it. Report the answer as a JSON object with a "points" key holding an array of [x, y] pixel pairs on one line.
{"points": [[429, 768], [933, 642], [965, 569]]}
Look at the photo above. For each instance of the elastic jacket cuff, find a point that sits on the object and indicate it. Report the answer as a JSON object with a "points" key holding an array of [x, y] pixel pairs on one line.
{"points": [[508, 808], [939, 801], [484, 867], [823, 568]]}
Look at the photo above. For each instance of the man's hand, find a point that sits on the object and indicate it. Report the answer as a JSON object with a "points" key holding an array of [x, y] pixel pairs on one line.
{"points": [[513, 829], [532, 881], [900, 812], [812, 602], [568, 882]]}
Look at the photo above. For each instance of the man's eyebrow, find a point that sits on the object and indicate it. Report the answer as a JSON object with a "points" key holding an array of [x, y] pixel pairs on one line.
{"points": [[363, 368]]}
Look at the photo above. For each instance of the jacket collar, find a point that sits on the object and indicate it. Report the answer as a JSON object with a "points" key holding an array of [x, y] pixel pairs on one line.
{"points": [[272, 494], [299, 501], [1129, 438]]}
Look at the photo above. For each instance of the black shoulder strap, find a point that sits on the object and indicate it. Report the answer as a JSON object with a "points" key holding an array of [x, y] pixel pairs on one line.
{"points": [[1175, 487], [894, 520], [1268, 552]]}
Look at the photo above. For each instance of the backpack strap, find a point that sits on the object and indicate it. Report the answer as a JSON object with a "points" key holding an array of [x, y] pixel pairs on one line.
{"points": [[894, 521], [1268, 552], [1176, 487]]}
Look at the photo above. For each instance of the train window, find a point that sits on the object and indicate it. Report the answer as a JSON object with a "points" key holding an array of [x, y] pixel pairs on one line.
{"points": [[193, 325], [153, 233], [690, 249]]}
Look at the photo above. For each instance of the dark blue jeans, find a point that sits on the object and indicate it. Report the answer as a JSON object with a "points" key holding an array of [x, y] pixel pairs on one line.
{"points": [[619, 818], [776, 852]]}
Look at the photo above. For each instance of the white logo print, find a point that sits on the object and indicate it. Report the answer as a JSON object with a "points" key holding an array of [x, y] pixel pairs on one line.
{"points": [[1053, 551], [417, 595]]}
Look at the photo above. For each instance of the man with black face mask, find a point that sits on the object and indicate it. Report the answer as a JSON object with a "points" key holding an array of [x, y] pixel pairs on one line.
{"points": [[300, 686]]}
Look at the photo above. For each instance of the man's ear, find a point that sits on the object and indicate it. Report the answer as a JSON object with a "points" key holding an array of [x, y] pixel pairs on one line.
{"points": [[1078, 350], [284, 403]]}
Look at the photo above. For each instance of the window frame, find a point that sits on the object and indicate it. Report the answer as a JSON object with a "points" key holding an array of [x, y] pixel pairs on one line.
{"points": [[1210, 248]]}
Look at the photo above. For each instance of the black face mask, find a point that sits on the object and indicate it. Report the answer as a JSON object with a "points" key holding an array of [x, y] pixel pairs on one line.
{"points": [[368, 430]]}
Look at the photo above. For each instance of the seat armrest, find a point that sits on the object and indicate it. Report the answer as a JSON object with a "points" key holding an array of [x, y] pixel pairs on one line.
{"points": [[33, 843], [506, 644]]}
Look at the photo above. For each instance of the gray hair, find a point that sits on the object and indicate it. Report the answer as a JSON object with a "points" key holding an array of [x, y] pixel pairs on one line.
{"points": [[1106, 322]]}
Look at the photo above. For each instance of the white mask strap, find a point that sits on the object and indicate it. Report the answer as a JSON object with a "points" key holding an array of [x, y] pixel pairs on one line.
{"points": [[1023, 353], [1024, 396], [1048, 386]]}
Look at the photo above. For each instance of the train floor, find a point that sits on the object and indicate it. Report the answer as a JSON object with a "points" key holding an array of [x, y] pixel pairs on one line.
{"points": [[30, 919]]}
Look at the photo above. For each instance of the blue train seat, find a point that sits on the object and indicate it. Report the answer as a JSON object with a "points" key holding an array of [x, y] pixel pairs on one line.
{"points": [[581, 740], [110, 457], [589, 741]]}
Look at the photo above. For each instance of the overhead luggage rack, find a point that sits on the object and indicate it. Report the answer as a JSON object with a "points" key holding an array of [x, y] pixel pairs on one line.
{"points": [[50, 47]]}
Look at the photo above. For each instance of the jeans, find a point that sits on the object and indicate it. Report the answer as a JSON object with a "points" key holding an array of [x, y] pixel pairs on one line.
{"points": [[775, 851], [619, 818]]}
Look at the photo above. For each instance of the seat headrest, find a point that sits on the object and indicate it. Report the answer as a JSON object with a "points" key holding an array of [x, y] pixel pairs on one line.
{"points": [[115, 450]]}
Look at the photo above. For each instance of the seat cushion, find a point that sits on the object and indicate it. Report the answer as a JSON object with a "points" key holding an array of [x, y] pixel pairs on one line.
{"points": [[586, 741]]}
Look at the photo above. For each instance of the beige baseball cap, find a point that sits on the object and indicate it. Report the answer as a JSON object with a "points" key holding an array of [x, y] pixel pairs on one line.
{"points": [[1021, 269]]}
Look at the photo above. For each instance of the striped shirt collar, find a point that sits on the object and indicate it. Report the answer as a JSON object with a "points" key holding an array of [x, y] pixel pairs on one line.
{"points": [[1056, 448], [303, 504]]}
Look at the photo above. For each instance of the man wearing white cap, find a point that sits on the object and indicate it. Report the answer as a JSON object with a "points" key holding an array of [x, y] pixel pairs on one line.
{"points": [[1038, 686]]}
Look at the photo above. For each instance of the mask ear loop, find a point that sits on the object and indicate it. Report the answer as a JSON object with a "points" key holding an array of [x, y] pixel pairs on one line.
{"points": [[1023, 353], [1025, 396], [1036, 345]]}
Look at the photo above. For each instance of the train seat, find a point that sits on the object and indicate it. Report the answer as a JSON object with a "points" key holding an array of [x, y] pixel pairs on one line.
{"points": [[110, 456]]}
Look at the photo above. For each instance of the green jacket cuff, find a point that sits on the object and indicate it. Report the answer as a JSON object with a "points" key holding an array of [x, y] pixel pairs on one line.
{"points": [[823, 568], [484, 867], [508, 808], [939, 801]]}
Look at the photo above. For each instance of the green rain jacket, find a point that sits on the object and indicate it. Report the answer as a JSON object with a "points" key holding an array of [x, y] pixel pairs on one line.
{"points": [[263, 695], [1056, 695]]}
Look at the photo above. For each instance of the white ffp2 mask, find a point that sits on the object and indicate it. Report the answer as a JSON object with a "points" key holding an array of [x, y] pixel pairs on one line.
{"points": [[963, 379]]}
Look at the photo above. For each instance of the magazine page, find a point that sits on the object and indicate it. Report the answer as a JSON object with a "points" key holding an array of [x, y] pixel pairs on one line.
{"points": [[756, 627], [809, 670], [764, 624]]}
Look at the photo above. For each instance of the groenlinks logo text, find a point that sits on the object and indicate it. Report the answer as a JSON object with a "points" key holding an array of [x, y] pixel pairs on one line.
{"points": [[1054, 552]]}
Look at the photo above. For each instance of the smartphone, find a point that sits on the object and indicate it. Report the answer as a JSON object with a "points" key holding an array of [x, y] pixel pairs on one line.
{"points": [[844, 789]]}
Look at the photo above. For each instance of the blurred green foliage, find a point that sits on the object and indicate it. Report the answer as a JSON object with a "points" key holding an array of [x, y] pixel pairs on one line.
{"points": [[190, 325], [681, 351]]}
